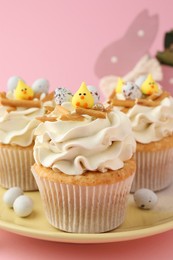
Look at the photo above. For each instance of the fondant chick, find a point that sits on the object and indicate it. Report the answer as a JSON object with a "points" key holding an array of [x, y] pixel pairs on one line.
{"points": [[119, 86], [23, 91], [149, 86], [83, 97]]}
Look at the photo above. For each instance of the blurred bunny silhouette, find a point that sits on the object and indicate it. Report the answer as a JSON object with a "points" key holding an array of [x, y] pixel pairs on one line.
{"points": [[129, 57]]}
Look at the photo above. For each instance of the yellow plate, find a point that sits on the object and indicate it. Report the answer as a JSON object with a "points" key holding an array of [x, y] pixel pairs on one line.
{"points": [[138, 223]]}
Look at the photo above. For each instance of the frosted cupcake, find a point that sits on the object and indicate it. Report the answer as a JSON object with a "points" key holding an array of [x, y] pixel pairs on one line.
{"points": [[84, 165], [150, 110], [19, 110]]}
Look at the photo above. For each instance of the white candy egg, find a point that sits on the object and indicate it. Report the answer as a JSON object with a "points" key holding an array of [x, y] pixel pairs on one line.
{"points": [[12, 83], [140, 80], [145, 198], [23, 206], [41, 86], [11, 195], [93, 90]]}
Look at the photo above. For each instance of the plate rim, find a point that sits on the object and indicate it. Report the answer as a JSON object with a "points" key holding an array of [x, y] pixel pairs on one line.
{"points": [[87, 238]]}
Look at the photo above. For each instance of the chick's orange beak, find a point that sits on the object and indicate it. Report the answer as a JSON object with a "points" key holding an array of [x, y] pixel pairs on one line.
{"points": [[82, 97]]}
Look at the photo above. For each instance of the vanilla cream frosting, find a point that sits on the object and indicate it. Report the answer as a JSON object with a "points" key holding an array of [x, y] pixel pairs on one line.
{"points": [[17, 127], [73, 147], [151, 124]]}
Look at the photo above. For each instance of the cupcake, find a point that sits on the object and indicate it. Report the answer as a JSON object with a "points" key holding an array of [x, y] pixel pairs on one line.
{"points": [[19, 109], [150, 111], [84, 165]]}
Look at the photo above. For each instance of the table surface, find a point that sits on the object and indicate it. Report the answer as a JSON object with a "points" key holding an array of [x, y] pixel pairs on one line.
{"points": [[16, 247]]}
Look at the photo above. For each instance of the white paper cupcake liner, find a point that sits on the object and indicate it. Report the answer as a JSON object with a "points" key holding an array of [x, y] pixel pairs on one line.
{"points": [[154, 170], [15, 168], [84, 209]]}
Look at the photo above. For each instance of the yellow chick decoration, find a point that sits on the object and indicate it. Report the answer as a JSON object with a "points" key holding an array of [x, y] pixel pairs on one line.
{"points": [[83, 97], [120, 83], [149, 86], [23, 91]]}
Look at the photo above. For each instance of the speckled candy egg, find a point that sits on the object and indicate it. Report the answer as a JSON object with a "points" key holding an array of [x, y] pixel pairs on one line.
{"points": [[11, 195], [12, 83], [145, 198], [40, 86], [131, 91], [62, 95], [94, 92], [23, 206]]}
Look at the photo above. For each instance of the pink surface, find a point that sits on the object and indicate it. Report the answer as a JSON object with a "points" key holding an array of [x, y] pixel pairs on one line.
{"points": [[14, 247], [60, 40]]}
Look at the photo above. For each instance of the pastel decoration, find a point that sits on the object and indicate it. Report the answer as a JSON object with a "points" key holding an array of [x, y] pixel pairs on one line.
{"points": [[23, 91], [62, 95], [140, 80], [11, 195], [131, 91], [41, 86], [167, 80], [23, 206], [94, 92], [12, 83], [145, 198], [139, 36], [120, 83], [149, 86], [83, 97]]}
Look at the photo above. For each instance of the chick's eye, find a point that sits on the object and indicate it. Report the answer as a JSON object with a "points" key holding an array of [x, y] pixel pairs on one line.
{"points": [[22, 89], [84, 94], [25, 88], [80, 94]]}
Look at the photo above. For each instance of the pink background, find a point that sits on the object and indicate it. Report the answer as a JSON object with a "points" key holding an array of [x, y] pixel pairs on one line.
{"points": [[60, 40]]}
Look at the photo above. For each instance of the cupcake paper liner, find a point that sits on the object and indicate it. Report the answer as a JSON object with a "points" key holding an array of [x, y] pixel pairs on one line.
{"points": [[154, 170], [15, 168], [84, 209]]}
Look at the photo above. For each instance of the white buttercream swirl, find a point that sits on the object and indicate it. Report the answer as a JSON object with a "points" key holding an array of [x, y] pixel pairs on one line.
{"points": [[74, 147], [17, 127], [151, 124]]}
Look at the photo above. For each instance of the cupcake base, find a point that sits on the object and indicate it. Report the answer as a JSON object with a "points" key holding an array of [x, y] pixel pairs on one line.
{"points": [[154, 163], [86, 203], [15, 167]]}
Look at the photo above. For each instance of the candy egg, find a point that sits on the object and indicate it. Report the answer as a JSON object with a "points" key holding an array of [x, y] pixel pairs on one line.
{"points": [[62, 95], [145, 198], [23, 206], [94, 92], [131, 91], [139, 81], [12, 83], [11, 195], [40, 86]]}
